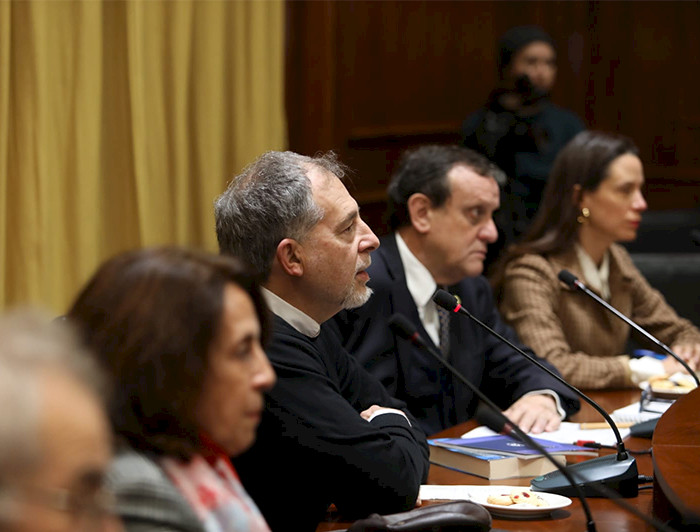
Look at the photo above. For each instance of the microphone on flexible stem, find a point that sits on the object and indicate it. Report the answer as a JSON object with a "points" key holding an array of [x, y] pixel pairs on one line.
{"points": [[495, 419], [572, 281], [616, 471], [498, 422]]}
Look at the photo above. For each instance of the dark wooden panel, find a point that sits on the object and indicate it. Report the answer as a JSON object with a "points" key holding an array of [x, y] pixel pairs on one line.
{"points": [[372, 78], [409, 63], [310, 76]]}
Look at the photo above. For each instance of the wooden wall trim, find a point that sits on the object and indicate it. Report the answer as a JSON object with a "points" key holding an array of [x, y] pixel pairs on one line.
{"points": [[310, 76], [370, 79]]}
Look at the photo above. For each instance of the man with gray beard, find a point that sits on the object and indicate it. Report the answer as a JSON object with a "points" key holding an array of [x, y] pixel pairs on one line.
{"points": [[330, 431]]}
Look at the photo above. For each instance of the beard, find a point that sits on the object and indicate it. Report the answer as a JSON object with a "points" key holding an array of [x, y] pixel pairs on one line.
{"points": [[358, 292], [357, 296]]}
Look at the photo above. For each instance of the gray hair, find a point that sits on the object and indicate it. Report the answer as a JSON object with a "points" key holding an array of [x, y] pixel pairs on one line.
{"points": [[30, 347], [269, 201]]}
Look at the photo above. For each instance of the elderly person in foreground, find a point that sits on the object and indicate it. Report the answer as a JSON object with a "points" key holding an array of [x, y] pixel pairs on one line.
{"points": [[55, 443], [593, 200], [331, 433], [179, 335]]}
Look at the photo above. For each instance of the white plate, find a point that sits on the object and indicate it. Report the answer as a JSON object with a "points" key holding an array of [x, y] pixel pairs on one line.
{"points": [[479, 494], [518, 511], [665, 393]]}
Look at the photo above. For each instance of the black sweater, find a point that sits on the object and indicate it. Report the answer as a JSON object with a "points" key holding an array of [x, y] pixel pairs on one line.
{"points": [[314, 449]]}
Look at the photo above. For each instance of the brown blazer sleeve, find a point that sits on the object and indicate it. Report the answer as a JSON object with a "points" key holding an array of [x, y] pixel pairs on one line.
{"points": [[582, 340]]}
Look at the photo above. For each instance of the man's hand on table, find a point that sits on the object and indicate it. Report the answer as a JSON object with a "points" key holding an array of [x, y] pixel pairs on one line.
{"points": [[535, 413]]}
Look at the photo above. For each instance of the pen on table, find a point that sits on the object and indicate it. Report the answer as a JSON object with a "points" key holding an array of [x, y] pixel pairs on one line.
{"points": [[596, 445], [592, 444], [602, 425]]}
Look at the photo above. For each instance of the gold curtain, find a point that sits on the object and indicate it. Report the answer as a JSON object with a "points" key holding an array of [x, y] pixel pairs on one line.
{"points": [[120, 122]]}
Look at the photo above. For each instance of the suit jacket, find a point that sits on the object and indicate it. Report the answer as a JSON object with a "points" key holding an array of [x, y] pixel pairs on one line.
{"points": [[147, 501], [433, 396], [585, 342]]}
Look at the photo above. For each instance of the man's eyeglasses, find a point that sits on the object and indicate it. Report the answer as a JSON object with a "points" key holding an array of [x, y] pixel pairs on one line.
{"points": [[87, 508]]}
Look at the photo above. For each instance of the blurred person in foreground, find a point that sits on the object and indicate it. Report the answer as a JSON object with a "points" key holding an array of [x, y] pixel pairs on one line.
{"points": [[330, 433], [179, 335], [519, 128], [55, 443], [442, 200], [593, 201]]}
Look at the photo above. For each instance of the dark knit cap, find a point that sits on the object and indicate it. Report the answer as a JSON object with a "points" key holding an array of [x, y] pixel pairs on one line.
{"points": [[516, 38]]}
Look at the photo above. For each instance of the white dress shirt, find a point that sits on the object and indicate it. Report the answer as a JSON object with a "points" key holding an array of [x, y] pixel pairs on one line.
{"points": [[421, 286]]}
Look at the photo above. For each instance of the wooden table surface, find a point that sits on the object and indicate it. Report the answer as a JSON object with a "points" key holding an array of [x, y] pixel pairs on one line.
{"points": [[677, 461], [606, 514]]}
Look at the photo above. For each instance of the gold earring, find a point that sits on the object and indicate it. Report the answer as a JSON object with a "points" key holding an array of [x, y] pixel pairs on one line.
{"points": [[583, 217]]}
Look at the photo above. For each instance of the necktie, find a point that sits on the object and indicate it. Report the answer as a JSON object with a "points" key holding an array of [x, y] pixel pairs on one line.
{"points": [[444, 324]]}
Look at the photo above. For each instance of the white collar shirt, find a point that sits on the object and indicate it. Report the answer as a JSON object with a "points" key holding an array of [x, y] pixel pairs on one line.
{"points": [[597, 278], [421, 286], [292, 315]]}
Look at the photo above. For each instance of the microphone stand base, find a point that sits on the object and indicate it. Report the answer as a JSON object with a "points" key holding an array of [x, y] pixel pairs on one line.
{"points": [[620, 476]]}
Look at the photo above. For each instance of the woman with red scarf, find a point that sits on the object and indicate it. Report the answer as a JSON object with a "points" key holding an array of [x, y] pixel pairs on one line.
{"points": [[179, 334]]}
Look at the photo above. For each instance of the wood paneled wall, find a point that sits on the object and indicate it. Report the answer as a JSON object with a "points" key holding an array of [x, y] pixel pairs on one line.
{"points": [[372, 78]]}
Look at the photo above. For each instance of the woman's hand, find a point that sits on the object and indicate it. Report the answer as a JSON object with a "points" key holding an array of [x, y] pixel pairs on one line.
{"points": [[690, 353]]}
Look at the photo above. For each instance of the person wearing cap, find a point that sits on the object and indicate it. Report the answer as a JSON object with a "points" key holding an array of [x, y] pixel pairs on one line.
{"points": [[519, 128]]}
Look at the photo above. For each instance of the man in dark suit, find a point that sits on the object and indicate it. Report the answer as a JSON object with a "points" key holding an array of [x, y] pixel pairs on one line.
{"points": [[442, 200]]}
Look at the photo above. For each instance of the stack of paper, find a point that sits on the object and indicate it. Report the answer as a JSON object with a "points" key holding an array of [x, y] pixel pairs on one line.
{"points": [[631, 413]]}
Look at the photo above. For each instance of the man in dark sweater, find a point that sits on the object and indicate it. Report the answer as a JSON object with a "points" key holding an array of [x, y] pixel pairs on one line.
{"points": [[330, 433]]}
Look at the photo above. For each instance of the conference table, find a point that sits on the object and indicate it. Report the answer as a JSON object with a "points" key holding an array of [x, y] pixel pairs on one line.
{"points": [[606, 514]]}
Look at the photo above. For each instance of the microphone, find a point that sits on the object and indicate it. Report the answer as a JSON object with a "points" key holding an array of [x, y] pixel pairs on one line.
{"points": [[572, 281], [495, 419], [615, 471], [498, 422]]}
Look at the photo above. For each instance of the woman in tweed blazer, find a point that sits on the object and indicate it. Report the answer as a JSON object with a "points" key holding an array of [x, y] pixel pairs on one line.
{"points": [[179, 335], [592, 201]]}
